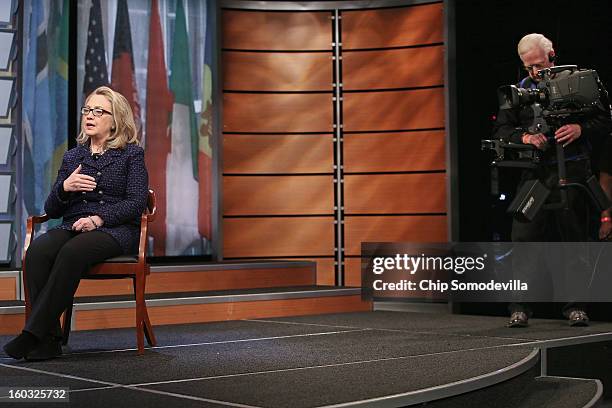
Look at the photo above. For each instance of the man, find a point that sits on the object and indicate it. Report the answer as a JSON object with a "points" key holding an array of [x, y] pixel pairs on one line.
{"points": [[569, 225]]}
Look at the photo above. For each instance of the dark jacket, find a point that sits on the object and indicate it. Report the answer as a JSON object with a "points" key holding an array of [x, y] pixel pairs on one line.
{"points": [[119, 198], [512, 123]]}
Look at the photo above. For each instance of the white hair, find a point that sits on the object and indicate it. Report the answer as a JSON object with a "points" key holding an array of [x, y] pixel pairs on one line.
{"points": [[531, 41]]}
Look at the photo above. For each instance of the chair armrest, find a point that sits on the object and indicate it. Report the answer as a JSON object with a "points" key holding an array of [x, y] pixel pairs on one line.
{"points": [[142, 245], [30, 226]]}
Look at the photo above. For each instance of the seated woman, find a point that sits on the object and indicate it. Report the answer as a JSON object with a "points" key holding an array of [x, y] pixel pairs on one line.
{"points": [[100, 191]]}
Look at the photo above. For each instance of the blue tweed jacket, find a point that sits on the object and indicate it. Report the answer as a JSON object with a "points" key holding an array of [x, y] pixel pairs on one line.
{"points": [[120, 196]]}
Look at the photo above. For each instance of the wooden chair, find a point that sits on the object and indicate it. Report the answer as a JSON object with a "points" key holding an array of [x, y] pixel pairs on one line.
{"points": [[134, 267]]}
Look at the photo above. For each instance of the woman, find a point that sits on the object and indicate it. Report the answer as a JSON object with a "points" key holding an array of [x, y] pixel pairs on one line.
{"points": [[100, 191]]}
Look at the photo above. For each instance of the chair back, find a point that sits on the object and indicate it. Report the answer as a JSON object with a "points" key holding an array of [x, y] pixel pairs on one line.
{"points": [[151, 205]]}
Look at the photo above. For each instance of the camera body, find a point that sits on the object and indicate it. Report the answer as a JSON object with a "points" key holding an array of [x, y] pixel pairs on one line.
{"points": [[562, 92]]}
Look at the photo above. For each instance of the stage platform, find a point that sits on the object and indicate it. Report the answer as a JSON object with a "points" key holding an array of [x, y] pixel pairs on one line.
{"points": [[195, 293], [370, 359]]}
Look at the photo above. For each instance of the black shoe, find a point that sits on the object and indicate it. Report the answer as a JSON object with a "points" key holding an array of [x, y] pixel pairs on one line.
{"points": [[21, 345], [518, 319], [578, 318], [50, 347]]}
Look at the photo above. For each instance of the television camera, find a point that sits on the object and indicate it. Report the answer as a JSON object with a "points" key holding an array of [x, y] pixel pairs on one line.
{"points": [[564, 94]]}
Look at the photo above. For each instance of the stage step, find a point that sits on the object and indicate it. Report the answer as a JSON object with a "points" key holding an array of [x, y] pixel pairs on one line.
{"points": [[211, 276], [190, 277], [592, 360], [530, 391], [104, 312]]}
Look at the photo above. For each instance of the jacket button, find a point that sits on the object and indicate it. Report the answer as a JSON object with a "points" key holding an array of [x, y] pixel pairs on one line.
{"points": [[83, 192], [101, 201], [98, 174], [100, 192], [84, 201]]}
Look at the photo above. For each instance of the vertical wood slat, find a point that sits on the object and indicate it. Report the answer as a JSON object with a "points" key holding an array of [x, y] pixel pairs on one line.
{"points": [[8, 288], [393, 68], [394, 110], [383, 152], [12, 323], [257, 154], [352, 271], [326, 273], [273, 72], [261, 30], [395, 193], [278, 237], [393, 27], [278, 195], [277, 113], [412, 228]]}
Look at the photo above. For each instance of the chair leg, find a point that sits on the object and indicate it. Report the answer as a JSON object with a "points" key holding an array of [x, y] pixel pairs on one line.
{"points": [[67, 324], [149, 329], [140, 312]]}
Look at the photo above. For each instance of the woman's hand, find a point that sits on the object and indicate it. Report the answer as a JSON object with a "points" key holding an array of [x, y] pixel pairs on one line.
{"points": [[88, 223], [79, 182]]}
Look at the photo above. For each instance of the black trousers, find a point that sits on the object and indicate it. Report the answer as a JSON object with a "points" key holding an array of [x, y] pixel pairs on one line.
{"points": [[54, 264], [570, 225]]}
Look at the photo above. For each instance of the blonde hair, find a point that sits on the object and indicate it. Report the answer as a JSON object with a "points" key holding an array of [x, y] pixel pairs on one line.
{"points": [[530, 41], [124, 129]]}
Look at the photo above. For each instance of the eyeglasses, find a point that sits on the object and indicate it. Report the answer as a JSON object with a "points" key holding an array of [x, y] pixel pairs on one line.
{"points": [[537, 67], [96, 111]]}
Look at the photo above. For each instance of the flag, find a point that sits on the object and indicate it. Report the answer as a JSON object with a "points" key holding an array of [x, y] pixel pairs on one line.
{"points": [[57, 46], [123, 80], [206, 130], [32, 207], [59, 83], [96, 73], [182, 234], [157, 140], [38, 124]]}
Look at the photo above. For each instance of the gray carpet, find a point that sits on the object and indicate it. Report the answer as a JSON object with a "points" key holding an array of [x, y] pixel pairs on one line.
{"points": [[539, 329], [290, 362]]}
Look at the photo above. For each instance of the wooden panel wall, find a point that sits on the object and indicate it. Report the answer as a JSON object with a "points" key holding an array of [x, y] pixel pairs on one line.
{"points": [[394, 127], [277, 31], [265, 237], [398, 151], [278, 195], [393, 27], [8, 288], [279, 135], [278, 187], [393, 68], [283, 154]]}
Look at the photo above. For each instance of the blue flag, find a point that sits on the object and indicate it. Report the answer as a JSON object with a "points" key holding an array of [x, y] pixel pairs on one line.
{"points": [[38, 124]]}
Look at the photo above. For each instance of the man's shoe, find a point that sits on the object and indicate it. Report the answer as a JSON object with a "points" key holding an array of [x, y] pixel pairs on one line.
{"points": [[518, 319], [49, 348], [578, 318]]}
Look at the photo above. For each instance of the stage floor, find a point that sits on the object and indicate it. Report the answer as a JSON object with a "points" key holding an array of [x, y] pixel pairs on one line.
{"points": [[306, 361]]}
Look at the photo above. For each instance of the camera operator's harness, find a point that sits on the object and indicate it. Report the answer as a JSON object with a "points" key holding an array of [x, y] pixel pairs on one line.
{"points": [[564, 94]]}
